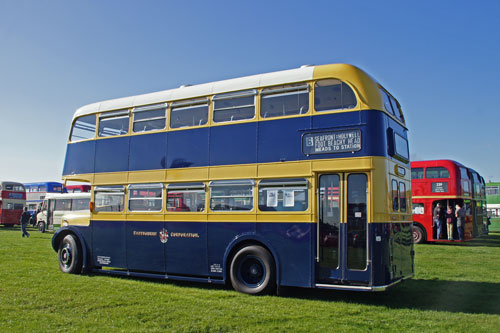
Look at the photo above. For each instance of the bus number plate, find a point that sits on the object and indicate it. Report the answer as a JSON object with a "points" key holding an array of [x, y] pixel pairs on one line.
{"points": [[331, 142]]}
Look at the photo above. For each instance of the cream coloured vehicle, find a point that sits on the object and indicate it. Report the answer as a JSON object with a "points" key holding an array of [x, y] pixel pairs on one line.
{"points": [[57, 206]]}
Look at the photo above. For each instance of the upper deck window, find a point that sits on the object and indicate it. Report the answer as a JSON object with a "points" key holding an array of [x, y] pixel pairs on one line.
{"points": [[189, 113], [113, 123], [417, 173], [283, 195], [83, 128], [463, 173], [397, 109], [234, 106], [387, 102], [13, 187], [437, 172], [332, 94], [401, 147], [145, 197], [149, 118], [284, 100]]}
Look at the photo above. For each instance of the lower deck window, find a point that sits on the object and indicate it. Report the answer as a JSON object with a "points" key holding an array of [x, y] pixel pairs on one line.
{"points": [[186, 197], [234, 195], [145, 197], [109, 199], [283, 195]]}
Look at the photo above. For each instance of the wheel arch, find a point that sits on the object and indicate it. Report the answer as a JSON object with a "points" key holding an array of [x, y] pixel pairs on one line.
{"points": [[80, 241], [424, 230], [247, 240]]}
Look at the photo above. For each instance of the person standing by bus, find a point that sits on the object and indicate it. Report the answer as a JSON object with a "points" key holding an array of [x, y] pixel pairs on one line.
{"points": [[449, 222], [460, 214], [438, 219], [25, 218]]}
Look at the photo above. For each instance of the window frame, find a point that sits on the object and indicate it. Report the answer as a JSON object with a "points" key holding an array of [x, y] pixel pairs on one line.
{"points": [[284, 184], [196, 187], [114, 115], [395, 204], [132, 187], [146, 108], [234, 95], [74, 125], [186, 105], [440, 169], [226, 183], [113, 189], [286, 90], [341, 96]]}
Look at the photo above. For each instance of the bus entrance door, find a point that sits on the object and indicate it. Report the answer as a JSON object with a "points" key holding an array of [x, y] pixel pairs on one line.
{"points": [[342, 229]]}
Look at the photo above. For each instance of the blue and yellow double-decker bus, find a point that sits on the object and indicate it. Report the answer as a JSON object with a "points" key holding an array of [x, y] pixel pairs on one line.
{"points": [[294, 178]]}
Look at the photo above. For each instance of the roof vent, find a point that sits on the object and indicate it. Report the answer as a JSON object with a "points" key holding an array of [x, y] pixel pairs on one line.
{"points": [[185, 85], [304, 66]]}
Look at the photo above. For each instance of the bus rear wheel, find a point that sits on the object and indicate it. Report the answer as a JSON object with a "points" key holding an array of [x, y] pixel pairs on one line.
{"points": [[70, 258], [418, 235], [252, 271], [41, 226]]}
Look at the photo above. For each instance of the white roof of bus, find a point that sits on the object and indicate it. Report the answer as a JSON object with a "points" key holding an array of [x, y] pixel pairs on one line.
{"points": [[67, 195], [248, 82]]}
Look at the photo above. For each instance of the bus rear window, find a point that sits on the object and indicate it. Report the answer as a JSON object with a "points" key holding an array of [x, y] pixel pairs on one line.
{"points": [[437, 172], [333, 94], [83, 128], [417, 173], [284, 100]]}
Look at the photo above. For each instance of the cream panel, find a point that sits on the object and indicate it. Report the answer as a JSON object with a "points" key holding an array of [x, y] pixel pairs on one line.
{"points": [[280, 217], [233, 172], [183, 217], [231, 217], [187, 175], [290, 169], [111, 178], [153, 176]]}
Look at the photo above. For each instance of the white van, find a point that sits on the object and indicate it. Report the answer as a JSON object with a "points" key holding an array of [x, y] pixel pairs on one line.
{"points": [[56, 205]]}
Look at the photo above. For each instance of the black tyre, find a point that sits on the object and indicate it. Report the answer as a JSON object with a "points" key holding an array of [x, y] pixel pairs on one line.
{"points": [[70, 257], [418, 235], [41, 226], [253, 271]]}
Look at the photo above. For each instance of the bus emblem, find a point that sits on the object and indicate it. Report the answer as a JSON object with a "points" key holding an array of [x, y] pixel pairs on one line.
{"points": [[164, 235]]}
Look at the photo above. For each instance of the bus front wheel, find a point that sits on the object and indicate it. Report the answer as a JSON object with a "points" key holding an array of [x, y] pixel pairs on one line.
{"points": [[70, 258], [41, 226], [252, 271], [418, 235]]}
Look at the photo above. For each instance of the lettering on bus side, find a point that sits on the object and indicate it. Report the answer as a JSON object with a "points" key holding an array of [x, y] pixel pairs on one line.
{"points": [[331, 142]]}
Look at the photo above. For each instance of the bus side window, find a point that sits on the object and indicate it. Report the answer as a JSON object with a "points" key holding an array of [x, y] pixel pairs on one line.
{"points": [[395, 195], [332, 94]]}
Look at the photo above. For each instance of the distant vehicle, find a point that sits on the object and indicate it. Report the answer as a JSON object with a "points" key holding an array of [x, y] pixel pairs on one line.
{"points": [[294, 178], [77, 188], [55, 206], [440, 181], [478, 205], [36, 192], [12, 201]]}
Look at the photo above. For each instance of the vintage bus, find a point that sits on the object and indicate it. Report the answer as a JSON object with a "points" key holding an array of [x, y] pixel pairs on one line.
{"points": [[293, 178], [36, 192], [77, 188], [56, 206], [439, 181], [478, 203], [12, 201]]}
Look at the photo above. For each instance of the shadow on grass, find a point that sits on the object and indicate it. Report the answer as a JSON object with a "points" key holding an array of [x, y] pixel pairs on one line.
{"points": [[431, 295]]}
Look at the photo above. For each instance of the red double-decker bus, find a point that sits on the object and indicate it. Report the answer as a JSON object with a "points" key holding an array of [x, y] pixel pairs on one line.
{"points": [[440, 181], [12, 201]]}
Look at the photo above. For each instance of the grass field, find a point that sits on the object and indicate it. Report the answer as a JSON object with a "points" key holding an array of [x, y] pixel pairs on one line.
{"points": [[456, 289]]}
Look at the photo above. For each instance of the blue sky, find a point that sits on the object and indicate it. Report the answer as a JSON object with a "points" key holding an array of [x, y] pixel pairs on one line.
{"points": [[440, 59]]}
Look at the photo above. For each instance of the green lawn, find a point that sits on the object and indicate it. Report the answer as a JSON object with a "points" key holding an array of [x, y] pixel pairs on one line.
{"points": [[456, 288]]}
